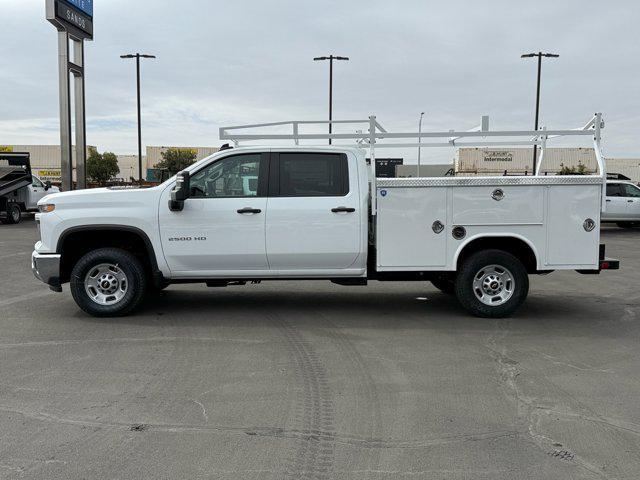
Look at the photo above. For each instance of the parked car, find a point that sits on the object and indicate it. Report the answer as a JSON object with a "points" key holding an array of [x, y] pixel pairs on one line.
{"points": [[622, 204]]}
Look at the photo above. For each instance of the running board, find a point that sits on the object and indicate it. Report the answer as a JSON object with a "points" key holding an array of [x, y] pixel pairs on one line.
{"points": [[350, 282]]}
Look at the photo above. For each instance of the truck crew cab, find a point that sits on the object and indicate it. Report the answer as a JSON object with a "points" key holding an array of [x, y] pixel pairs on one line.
{"points": [[308, 212]]}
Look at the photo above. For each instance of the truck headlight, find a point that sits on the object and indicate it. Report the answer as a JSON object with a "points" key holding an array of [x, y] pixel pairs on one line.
{"points": [[46, 207]]}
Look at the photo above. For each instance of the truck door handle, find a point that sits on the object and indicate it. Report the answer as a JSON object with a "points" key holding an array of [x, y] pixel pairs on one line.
{"points": [[249, 210], [629, 201], [608, 200], [343, 209]]}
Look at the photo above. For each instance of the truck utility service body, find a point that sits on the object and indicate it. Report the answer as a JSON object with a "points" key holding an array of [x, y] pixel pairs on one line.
{"points": [[309, 212]]}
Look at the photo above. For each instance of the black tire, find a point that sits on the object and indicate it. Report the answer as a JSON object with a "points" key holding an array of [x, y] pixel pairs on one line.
{"points": [[474, 265], [128, 264], [14, 214], [445, 285]]}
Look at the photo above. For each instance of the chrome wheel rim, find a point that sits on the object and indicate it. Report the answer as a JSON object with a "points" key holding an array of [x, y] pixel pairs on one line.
{"points": [[106, 284], [493, 285]]}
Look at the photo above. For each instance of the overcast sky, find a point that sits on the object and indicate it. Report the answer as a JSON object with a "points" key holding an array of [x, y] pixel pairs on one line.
{"points": [[225, 63]]}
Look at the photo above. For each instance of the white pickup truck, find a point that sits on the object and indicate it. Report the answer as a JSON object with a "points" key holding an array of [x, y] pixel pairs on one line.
{"points": [[623, 204], [307, 212]]}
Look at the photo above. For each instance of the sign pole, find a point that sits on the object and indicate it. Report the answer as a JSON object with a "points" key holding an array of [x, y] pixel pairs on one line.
{"points": [[66, 170], [139, 120], [81, 134], [74, 21]]}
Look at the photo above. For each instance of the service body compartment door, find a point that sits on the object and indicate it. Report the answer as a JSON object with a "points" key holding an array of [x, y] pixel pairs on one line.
{"points": [[498, 205], [406, 239], [568, 242]]}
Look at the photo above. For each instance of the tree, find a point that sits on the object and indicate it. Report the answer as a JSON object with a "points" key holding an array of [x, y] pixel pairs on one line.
{"points": [[176, 159], [581, 169], [102, 167]]}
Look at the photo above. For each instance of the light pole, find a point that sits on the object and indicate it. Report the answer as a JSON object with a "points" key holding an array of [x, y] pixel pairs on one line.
{"points": [[419, 140], [138, 56], [539, 55], [331, 58]]}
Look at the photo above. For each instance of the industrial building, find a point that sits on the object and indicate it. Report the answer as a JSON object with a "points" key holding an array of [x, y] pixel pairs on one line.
{"points": [[45, 162], [518, 161], [46, 159], [129, 163]]}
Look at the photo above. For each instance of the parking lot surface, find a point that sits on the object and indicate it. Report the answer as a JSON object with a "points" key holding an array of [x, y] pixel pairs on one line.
{"points": [[314, 380]]}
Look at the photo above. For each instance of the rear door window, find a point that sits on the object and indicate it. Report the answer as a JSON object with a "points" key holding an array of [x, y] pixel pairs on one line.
{"points": [[310, 175], [614, 190]]}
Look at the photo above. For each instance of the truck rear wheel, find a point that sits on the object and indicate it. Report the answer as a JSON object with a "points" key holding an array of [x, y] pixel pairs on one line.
{"points": [[108, 282], [14, 214], [492, 283]]}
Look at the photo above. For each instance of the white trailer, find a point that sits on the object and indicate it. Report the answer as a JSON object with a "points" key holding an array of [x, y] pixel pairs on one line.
{"points": [[248, 214]]}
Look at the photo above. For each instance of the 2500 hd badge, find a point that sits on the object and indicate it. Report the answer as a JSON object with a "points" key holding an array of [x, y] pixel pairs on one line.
{"points": [[187, 239]]}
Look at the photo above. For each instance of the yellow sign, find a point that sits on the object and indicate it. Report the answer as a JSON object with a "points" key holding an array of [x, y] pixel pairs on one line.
{"points": [[6, 148], [51, 175]]}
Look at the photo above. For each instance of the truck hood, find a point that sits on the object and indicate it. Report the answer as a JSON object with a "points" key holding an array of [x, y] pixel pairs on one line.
{"points": [[100, 197]]}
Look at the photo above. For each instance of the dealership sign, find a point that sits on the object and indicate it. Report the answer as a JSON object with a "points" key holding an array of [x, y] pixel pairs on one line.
{"points": [[74, 16], [85, 6]]}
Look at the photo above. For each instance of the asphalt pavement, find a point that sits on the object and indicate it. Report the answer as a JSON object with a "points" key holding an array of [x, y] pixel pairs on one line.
{"points": [[320, 381]]}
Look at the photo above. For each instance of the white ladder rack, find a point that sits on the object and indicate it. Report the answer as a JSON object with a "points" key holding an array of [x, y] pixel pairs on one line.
{"points": [[375, 135]]}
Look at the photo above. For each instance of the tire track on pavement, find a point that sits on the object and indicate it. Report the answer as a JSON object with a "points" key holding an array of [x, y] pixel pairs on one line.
{"points": [[366, 390], [315, 454]]}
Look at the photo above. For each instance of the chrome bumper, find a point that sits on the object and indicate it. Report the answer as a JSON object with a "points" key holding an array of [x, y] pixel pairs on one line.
{"points": [[46, 268]]}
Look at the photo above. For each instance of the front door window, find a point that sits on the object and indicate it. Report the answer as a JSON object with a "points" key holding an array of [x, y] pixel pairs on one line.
{"points": [[631, 191], [230, 177]]}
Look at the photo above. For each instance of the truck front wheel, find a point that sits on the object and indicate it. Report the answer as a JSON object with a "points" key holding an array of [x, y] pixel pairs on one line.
{"points": [[108, 282], [492, 283]]}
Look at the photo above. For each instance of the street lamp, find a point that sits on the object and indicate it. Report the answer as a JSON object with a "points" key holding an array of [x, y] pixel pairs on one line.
{"points": [[331, 58], [419, 140], [138, 56], [539, 55]]}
